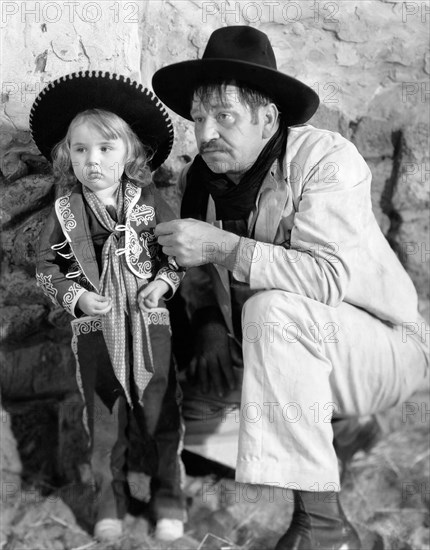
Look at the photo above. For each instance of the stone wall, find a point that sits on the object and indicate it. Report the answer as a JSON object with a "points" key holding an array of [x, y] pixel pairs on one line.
{"points": [[368, 60]]}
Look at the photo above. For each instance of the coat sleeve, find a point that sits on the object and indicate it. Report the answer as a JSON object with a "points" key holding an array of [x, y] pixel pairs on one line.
{"points": [[166, 272], [55, 268], [333, 204]]}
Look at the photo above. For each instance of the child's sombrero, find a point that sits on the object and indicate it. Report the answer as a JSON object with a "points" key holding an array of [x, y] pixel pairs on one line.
{"points": [[57, 105]]}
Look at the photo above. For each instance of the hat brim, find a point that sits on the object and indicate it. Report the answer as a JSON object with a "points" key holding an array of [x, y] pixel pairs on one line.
{"points": [[59, 103], [175, 84]]}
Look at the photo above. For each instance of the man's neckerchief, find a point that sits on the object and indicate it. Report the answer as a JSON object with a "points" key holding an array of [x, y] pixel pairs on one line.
{"points": [[232, 201]]}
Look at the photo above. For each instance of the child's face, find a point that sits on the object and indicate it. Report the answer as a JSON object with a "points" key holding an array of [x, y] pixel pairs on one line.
{"points": [[98, 163]]}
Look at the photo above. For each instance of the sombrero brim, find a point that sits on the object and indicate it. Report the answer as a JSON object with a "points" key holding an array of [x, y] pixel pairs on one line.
{"points": [[58, 104], [175, 84]]}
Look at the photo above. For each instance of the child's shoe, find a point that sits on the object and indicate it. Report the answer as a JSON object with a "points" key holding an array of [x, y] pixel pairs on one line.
{"points": [[108, 530], [169, 529]]}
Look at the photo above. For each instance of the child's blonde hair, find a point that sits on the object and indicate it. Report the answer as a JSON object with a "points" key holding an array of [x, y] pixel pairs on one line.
{"points": [[111, 126]]}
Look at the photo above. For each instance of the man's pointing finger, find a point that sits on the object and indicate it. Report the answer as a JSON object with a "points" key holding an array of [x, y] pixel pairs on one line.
{"points": [[165, 228]]}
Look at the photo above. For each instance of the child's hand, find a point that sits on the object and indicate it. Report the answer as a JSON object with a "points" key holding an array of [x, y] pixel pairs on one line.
{"points": [[150, 294], [92, 303]]}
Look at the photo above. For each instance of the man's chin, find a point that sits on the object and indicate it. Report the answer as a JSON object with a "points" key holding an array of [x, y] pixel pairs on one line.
{"points": [[216, 162]]}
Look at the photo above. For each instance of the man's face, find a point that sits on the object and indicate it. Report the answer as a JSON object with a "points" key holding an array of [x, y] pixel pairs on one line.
{"points": [[228, 138]]}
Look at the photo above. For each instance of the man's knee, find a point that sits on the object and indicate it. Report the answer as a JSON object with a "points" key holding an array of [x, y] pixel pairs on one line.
{"points": [[266, 313], [263, 299], [259, 305], [277, 314], [269, 303]]}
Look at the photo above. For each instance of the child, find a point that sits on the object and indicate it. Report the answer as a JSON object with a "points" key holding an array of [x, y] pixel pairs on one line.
{"points": [[99, 259]]}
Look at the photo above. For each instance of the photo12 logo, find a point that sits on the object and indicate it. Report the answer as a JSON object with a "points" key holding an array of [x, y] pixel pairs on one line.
{"points": [[270, 11], [415, 90], [21, 91], [53, 12], [415, 11]]}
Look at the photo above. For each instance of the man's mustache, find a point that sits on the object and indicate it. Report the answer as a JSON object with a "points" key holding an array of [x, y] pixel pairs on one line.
{"points": [[212, 147]]}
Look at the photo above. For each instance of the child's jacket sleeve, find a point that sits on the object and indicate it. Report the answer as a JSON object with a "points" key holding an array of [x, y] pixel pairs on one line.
{"points": [[58, 273]]}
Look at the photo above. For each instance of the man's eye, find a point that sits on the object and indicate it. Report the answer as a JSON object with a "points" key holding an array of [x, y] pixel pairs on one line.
{"points": [[225, 117]]}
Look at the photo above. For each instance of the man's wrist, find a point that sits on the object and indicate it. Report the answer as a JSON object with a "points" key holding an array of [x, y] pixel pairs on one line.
{"points": [[244, 259], [225, 252]]}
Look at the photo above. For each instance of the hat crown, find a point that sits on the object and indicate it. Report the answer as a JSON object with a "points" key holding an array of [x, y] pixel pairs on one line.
{"points": [[240, 43]]}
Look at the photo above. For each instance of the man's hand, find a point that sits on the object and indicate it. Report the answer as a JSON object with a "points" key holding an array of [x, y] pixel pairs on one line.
{"points": [[149, 296], [212, 366], [193, 242], [92, 303]]}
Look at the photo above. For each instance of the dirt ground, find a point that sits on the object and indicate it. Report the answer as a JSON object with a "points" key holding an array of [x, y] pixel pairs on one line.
{"points": [[385, 491]]}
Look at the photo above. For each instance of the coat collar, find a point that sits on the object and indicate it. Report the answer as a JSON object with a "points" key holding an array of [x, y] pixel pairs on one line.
{"points": [[271, 201], [270, 204]]}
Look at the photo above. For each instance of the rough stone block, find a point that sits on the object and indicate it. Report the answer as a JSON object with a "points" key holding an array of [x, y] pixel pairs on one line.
{"points": [[10, 462], [35, 427], [47, 523], [37, 369], [17, 287], [13, 167], [413, 183], [23, 195], [10, 473], [17, 323], [414, 244], [372, 138], [20, 241], [399, 102], [331, 119]]}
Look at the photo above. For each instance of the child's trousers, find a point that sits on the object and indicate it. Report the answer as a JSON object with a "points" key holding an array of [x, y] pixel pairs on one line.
{"points": [[144, 438]]}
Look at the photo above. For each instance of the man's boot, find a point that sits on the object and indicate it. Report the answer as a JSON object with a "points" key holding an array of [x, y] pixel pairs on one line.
{"points": [[319, 523]]}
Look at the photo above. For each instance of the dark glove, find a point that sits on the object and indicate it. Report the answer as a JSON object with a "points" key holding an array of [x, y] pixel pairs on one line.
{"points": [[211, 366]]}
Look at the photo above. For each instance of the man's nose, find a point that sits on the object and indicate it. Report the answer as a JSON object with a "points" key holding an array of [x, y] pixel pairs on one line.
{"points": [[208, 131]]}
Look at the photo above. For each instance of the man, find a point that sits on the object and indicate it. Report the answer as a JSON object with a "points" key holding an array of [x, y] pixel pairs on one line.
{"points": [[279, 215]]}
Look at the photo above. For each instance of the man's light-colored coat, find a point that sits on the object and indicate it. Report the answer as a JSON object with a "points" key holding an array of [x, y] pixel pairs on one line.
{"points": [[315, 234]]}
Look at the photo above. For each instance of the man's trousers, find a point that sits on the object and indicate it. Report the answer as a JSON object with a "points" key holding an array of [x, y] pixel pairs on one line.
{"points": [[306, 362]]}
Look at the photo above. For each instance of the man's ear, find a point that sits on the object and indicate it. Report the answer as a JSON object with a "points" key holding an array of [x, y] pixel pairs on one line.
{"points": [[271, 117]]}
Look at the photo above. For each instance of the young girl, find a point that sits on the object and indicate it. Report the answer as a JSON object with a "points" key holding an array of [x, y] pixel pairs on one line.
{"points": [[99, 259]]}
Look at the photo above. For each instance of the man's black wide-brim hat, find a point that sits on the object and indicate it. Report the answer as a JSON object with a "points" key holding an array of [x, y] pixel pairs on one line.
{"points": [[242, 54], [58, 104]]}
